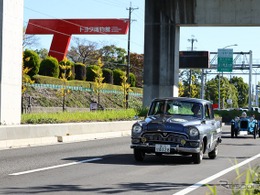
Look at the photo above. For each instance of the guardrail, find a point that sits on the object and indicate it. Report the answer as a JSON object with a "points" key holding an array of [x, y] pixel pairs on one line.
{"points": [[80, 88], [30, 135]]}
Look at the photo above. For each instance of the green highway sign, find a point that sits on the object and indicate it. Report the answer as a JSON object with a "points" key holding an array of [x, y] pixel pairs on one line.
{"points": [[225, 60]]}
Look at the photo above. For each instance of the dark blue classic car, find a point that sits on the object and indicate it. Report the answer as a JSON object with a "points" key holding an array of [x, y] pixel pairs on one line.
{"points": [[177, 125], [244, 125]]}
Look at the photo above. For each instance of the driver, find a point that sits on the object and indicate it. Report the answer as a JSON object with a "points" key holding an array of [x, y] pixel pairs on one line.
{"points": [[243, 115]]}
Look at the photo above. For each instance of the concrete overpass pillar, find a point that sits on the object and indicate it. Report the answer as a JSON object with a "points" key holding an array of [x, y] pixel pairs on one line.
{"points": [[11, 24], [161, 52]]}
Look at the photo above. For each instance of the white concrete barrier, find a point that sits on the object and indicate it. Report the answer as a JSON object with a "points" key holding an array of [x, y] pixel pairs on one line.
{"points": [[30, 135]]}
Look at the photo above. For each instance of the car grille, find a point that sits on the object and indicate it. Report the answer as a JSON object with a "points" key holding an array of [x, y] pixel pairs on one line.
{"points": [[243, 124], [164, 137]]}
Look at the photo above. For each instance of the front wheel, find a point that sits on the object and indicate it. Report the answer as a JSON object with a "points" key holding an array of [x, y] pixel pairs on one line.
{"points": [[139, 155], [232, 131], [213, 154], [197, 158], [255, 131]]}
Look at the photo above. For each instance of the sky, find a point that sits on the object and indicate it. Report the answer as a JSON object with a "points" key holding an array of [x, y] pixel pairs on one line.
{"points": [[207, 38]]}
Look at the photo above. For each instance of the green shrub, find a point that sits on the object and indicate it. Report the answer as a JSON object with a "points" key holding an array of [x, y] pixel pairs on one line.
{"points": [[117, 74], [80, 71], [108, 75], [31, 60], [91, 74], [132, 80], [49, 67], [228, 115], [67, 117]]}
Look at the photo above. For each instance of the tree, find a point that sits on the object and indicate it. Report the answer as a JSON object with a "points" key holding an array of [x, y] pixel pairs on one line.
{"points": [[98, 85], [227, 91], [43, 53], [29, 40], [193, 89], [125, 86], [65, 68], [211, 90], [83, 51], [31, 61], [112, 56], [91, 75], [181, 89], [242, 89], [65, 73], [26, 79], [136, 67]]}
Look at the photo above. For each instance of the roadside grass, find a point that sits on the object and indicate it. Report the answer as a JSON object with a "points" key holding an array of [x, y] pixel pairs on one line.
{"points": [[70, 117]]}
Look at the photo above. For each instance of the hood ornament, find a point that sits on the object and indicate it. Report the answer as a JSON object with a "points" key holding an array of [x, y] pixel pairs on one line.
{"points": [[165, 134]]}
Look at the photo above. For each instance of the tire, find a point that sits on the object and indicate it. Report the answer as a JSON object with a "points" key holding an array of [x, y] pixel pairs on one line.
{"points": [[213, 154], [232, 131], [236, 132], [139, 155], [197, 158], [255, 132]]}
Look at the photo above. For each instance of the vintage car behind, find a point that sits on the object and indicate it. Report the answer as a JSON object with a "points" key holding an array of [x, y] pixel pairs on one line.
{"points": [[244, 125], [177, 125]]}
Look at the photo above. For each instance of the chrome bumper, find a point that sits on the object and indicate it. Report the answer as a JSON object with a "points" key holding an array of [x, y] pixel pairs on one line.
{"points": [[174, 149]]}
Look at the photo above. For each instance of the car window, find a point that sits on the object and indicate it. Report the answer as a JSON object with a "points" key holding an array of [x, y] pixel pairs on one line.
{"points": [[207, 112], [173, 107]]}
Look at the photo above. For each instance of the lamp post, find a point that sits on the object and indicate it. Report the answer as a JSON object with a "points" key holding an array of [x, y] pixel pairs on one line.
{"points": [[222, 76]]}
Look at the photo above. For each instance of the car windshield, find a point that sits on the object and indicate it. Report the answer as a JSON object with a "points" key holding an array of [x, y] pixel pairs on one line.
{"points": [[173, 107]]}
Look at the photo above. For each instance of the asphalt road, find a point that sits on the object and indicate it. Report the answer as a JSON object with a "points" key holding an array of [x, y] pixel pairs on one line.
{"points": [[107, 166]]}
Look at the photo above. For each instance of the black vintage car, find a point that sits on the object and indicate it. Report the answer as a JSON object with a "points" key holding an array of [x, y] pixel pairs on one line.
{"points": [[177, 125]]}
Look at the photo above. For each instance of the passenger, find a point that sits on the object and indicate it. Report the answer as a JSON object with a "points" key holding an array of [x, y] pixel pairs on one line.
{"points": [[196, 109]]}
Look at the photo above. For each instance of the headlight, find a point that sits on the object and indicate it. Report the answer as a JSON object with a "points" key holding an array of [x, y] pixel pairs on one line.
{"points": [[194, 132], [137, 129]]}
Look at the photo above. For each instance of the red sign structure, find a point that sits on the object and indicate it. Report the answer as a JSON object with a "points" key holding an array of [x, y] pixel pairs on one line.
{"points": [[63, 29]]}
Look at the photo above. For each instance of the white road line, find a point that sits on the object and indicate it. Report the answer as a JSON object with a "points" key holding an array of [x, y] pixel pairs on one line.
{"points": [[211, 178], [55, 167]]}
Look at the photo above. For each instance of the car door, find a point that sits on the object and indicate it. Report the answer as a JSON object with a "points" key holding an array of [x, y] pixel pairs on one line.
{"points": [[211, 123]]}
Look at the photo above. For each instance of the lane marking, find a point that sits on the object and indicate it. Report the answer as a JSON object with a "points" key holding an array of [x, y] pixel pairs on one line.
{"points": [[55, 167], [213, 177]]}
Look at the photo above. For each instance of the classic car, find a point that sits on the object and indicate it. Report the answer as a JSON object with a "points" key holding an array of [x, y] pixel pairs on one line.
{"points": [[244, 125], [177, 125]]}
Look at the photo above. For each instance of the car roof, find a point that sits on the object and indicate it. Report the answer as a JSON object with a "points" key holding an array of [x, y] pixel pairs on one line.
{"points": [[185, 99]]}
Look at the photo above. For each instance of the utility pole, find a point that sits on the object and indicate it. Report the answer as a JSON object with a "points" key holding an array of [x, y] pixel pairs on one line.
{"points": [[192, 40], [131, 9]]}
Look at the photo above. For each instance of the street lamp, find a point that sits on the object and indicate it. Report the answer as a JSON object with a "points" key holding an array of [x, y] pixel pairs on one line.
{"points": [[222, 76], [230, 46]]}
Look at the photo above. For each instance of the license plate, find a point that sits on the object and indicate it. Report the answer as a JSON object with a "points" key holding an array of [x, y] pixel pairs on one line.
{"points": [[243, 133], [162, 148]]}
